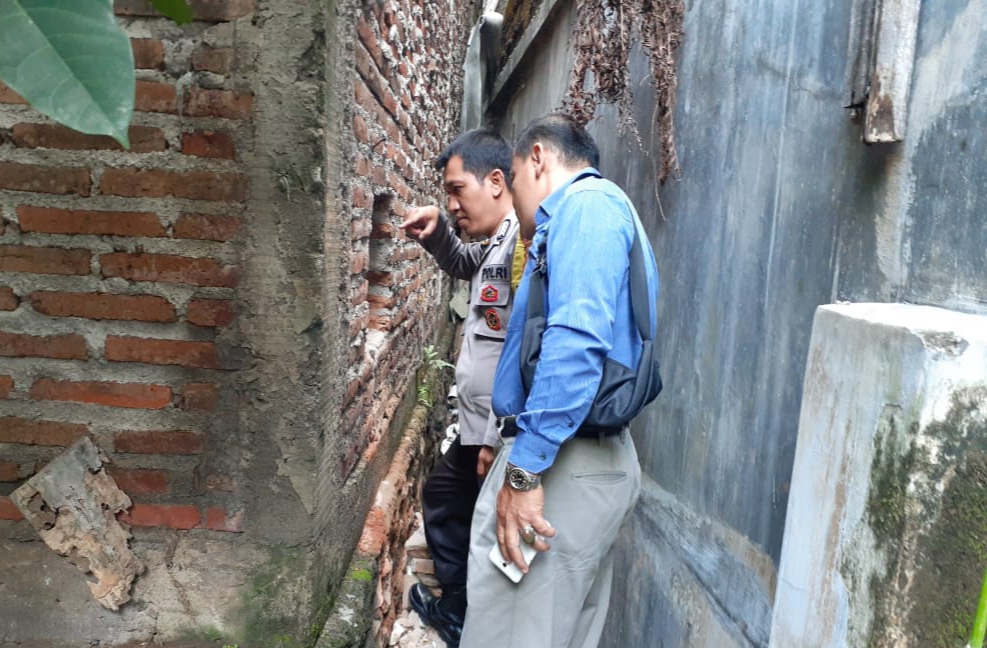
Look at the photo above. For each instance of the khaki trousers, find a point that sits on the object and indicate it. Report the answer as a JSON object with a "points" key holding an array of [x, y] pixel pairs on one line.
{"points": [[562, 601]]}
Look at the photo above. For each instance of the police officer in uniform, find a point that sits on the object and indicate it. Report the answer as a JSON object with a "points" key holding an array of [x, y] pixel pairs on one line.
{"points": [[476, 168]]}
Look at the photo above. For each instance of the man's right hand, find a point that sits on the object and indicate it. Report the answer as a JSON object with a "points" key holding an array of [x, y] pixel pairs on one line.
{"points": [[484, 461], [421, 222]]}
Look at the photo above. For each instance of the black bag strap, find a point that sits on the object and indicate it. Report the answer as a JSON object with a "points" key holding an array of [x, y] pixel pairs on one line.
{"points": [[640, 304]]}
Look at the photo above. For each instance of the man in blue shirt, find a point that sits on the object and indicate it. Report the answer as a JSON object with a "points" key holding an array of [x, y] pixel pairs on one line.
{"points": [[552, 467]]}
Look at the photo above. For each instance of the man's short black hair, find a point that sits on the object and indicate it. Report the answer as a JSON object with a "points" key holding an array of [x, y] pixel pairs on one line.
{"points": [[482, 151], [564, 136]]}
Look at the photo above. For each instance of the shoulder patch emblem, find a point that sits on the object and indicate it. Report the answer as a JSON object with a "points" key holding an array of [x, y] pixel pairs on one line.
{"points": [[493, 319], [488, 294]]}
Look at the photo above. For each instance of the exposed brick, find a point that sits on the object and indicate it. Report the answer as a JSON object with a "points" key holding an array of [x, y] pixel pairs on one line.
{"points": [[135, 481], [209, 59], [199, 397], [370, 41], [352, 390], [362, 198], [8, 300], [153, 96], [218, 520], [44, 179], [361, 131], [172, 516], [210, 312], [362, 166], [210, 144], [359, 294], [8, 96], [167, 268], [9, 471], [382, 230], [203, 102], [380, 302], [43, 260], [148, 53], [60, 347], [398, 317], [374, 79], [159, 442], [6, 386], [162, 352], [111, 394], [71, 221], [103, 306], [380, 278], [360, 262], [143, 139], [366, 100], [8, 511], [360, 228], [207, 227], [42, 433], [155, 183]]}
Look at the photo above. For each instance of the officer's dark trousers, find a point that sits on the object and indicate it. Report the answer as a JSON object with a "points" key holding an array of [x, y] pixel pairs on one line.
{"points": [[448, 499]]}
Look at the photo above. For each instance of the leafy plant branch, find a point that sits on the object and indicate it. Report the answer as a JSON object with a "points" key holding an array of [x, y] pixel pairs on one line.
{"points": [[72, 61]]}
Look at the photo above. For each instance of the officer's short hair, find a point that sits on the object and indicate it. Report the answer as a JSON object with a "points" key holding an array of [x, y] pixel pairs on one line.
{"points": [[482, 151], [560, 133]]}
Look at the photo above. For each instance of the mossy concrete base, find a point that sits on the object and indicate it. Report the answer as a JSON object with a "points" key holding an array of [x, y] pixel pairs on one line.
{"points": [[366, 602], [350, 619], [887, 518]]}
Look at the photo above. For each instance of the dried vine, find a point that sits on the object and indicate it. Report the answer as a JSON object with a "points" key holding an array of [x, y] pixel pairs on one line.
{"points": [[605, 31]]}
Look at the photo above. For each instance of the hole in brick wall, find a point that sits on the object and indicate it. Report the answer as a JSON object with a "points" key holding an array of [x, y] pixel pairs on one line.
{"points": [[381, 240], [380, 296], [381, 232]]}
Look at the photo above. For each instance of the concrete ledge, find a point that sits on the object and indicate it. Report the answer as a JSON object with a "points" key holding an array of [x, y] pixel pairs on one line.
{"points": [[700, 584], [370, 597], [884, 533]]}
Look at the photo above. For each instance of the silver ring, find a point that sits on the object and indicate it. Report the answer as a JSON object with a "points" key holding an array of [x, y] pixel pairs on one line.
{"points": [[528, 534]]}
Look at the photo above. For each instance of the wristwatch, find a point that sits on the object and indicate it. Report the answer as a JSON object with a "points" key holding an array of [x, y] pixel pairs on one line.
{"points": [[520, 479]]}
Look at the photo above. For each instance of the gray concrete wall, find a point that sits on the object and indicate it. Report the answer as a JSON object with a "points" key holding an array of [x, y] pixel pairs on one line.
{"points": [[780, 208]]}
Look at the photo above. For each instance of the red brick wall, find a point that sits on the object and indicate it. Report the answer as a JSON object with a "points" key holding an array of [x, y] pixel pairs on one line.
{"points": [[118, 276], [406, 93]]}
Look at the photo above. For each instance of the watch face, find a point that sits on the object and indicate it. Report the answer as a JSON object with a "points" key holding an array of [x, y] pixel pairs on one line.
{"points": [[518, 479]]}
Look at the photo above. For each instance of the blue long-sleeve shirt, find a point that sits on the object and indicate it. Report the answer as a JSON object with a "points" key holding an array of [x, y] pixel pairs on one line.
{"points": [[588, 225]]}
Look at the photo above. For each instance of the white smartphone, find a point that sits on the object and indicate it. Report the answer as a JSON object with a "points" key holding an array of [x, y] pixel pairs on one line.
{"points": [[507, 567]]}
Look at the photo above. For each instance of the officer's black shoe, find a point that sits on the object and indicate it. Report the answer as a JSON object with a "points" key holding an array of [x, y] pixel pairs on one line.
{"points": [[445, 614]]}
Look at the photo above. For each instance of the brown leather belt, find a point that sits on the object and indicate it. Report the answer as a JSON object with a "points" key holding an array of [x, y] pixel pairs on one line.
{"points": [[509, 429]]}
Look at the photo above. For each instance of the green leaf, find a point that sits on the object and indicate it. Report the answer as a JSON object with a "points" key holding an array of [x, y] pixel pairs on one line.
{"points": [[71, 61], [177, 10]]}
